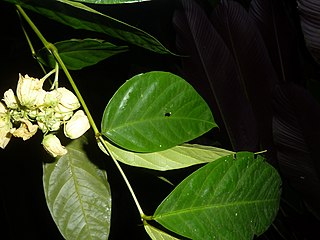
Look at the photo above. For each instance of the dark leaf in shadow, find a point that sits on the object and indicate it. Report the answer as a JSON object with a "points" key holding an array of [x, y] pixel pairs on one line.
{"points": [[296, 136], [253, 65], [310, 24], [211, 69], [279, 36]]}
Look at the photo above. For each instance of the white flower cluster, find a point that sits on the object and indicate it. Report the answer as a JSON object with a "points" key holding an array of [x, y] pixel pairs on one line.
{"points": [[33, 108]]}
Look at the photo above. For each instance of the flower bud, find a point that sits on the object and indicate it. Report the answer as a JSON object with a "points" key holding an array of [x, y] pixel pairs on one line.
{"points": [[10, 99], [67, 102], [5, 126], [52, 145], [30, 92], [77, 125]]}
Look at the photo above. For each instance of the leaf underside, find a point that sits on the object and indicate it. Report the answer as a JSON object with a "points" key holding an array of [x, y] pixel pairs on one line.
{"points": [[156, 234], [177, 157], [235, 197], [78, 195]]}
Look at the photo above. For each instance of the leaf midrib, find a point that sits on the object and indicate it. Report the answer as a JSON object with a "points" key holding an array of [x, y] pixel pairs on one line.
{"points": [[206, 207], [76, 185], [157, 119]]}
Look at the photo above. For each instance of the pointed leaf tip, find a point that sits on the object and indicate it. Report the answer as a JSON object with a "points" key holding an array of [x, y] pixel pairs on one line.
{"points": [[231, 198], [155, 111]]}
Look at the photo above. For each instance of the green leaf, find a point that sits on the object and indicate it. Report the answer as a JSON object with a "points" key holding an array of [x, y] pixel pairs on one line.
{"points": [[77, 54], [78, 195], [115, 28], [156, 234], [181, 156], [235, 197], [155, 111], [110, 1], [80, 16]]}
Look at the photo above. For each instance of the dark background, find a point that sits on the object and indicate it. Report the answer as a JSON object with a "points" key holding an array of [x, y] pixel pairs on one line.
{"points": [[23, 205]]}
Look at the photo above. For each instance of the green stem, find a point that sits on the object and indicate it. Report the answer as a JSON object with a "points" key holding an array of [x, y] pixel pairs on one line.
{"points": [[77, 92], [34, 28], [51, 48], [135, 199], [33, 52]]}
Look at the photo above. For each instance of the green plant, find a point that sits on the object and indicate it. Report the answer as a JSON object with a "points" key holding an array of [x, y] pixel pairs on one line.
{"points": [[145, 124]]}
